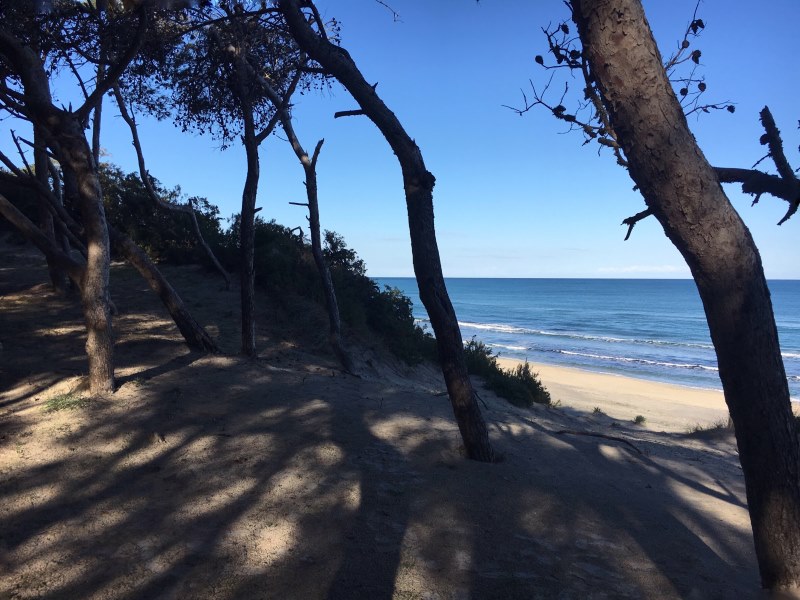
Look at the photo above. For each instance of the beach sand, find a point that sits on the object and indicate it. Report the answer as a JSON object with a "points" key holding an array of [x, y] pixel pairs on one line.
{"points": [[665, 407]]}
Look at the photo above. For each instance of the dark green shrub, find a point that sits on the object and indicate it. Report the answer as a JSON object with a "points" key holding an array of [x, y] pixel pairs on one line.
{"points": [[520, 386], [284, 264], [165, 235], [365, 307]]}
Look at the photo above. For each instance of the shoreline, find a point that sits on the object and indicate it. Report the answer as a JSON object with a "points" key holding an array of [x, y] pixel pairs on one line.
{"points": [[665, 406]]}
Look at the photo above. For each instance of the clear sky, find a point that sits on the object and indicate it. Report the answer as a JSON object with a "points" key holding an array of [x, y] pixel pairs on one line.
{"points": [[515, 196]]}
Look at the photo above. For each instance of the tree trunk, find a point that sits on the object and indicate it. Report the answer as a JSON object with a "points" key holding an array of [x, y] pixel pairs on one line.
{"points": [[682, 190], [76, 156], [64, 131], [247, 234], [418, 183], [196, 337], [42, 170], [63, 234], [334, 319], [310, 168]]}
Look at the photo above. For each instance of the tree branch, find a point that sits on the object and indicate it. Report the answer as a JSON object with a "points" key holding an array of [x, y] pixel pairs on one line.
{"points": [[348, 113], [632, 221], [114, 73], [773, 140], [32, 233]]}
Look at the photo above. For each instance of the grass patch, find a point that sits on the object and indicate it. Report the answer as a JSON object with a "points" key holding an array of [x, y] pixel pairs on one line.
{"points": [[639, 420], [597, 411], [68, 401], [719, 425], [520, 386]]}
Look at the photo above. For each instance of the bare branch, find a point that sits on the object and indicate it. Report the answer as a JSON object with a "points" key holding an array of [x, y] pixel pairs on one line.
{"points": [[395, 15], [315, 154], [320, 23], [21, 153], [348, 113], [773, 140], [77, 75], [632, 221], [71, 228], [758, 183], [281, 104]]}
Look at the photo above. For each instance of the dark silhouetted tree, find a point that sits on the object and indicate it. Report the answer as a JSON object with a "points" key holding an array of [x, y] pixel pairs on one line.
{"points": [[633, 108], [309, 31]]}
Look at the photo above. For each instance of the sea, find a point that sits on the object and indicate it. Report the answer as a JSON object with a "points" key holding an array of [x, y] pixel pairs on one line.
{"points": [[651, 329]]}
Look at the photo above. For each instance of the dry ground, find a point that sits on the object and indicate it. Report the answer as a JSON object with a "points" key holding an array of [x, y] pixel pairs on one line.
{"points": [[218, 477]]}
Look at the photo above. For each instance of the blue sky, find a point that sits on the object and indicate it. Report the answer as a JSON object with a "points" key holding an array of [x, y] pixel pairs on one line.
{"points": [[515, 196]]}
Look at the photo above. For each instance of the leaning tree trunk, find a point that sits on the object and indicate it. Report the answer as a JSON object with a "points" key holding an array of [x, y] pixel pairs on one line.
{"points": [[48, 247], [682, 190], [418, 183], [334, 319], [196, 337]]}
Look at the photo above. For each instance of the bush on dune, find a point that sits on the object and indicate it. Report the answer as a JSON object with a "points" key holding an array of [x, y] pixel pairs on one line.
{"points": [[520, 385]]}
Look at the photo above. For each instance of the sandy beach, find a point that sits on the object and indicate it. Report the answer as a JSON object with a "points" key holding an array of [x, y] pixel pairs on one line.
{"points": [[665, 407]]}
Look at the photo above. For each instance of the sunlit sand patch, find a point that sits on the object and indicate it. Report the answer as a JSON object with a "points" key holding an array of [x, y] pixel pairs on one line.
{"points": [[714, 501], [704, 531], [311, 408], [275, 539], [406, 432], [611, 452]]}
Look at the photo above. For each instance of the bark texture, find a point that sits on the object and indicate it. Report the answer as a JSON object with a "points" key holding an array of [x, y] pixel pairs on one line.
{"points": [[75, 155], [418, 183], [683, 192]]}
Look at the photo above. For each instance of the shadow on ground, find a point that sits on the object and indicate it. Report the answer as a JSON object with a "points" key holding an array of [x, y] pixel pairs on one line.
{"points": [[217, 477]]}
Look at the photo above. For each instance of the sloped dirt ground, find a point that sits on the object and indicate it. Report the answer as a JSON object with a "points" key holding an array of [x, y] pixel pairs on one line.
{"points": [[218, 477]]}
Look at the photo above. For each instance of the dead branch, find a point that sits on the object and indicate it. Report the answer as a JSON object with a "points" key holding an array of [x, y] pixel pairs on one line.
{"points": [[632, 221], [21, 153], [17, 177], [772, 137], [348, 113], [395, 15], [785, 185]]}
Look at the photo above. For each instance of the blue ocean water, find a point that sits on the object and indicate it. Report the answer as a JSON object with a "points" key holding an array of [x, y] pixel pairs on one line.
{"points": [[645, 328]]}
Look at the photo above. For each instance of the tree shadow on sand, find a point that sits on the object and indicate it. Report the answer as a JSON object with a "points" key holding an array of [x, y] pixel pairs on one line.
{"points": [[219, 477]]}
